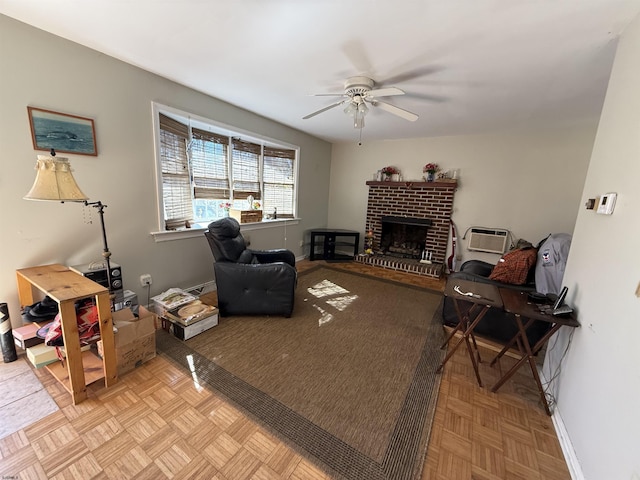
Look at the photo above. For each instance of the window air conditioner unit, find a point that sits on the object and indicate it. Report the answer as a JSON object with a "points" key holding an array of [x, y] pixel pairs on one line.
{"points": [[488, 240]]}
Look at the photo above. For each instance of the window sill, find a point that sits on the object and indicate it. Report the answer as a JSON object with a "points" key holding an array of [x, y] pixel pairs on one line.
{"points": [[169, 235]]}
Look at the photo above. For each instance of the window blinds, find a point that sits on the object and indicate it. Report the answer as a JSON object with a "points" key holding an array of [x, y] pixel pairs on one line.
{"points": [[209, 164], [176, 185], [245, 169], [278, 180]]}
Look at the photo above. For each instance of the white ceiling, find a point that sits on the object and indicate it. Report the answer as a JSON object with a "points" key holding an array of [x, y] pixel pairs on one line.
{"points": [[467, 66]]}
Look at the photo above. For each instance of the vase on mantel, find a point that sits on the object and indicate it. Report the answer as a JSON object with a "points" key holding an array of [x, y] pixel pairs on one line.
{"points": [[431, 176]]}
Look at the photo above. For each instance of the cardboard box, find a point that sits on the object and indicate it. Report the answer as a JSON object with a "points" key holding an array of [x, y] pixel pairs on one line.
{"points": [[25, 336], [26, 331], [246, 216], [185, 333], [190, 313], [135, 338], [172, 298], [41, 355], [27, 342]]}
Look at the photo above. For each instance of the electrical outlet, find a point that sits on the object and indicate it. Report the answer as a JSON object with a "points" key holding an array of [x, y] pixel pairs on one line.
{"points": [[145, 279], [302, 243]]}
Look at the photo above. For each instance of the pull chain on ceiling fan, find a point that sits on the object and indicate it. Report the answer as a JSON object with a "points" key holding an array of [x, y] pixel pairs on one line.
{"points": [[358, 91]]}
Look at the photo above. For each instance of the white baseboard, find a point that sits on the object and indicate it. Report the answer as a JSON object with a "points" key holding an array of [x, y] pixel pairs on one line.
{"points": [[567, 448], [575, 470], [203, 288]]}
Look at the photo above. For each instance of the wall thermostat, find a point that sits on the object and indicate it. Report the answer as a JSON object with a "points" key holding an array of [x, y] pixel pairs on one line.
{"points": [[606, 204]]}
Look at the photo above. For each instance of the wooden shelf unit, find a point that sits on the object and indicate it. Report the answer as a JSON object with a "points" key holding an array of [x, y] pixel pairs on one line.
{"points": [[66, 288], [330, 242]]}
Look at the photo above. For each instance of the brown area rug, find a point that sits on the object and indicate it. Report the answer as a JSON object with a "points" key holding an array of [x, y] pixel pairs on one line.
{"points": [[349, 380]]}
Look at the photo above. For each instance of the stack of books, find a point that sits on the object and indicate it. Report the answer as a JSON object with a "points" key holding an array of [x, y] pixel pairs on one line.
{"points": [[191, 319]]}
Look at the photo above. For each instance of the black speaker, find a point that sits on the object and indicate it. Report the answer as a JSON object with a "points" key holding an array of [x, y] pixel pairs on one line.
{"points": [[97, 271]]}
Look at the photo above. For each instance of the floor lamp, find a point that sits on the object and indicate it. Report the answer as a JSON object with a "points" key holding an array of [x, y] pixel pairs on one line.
{"points": [[55, 183]]}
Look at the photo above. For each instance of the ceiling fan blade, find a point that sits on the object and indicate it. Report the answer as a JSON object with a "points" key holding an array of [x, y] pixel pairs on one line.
{"points": [[329, 94], [333, 105], [357, 55], [412, 117], [384, 92], [412, 74], [428, 98]]}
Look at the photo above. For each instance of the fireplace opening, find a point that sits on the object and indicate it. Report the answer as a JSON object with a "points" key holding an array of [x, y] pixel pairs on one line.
{"points": [[404, 237]]}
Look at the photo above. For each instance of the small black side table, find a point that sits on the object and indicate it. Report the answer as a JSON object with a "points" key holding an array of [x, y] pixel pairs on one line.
{"points": [[330, 241]]}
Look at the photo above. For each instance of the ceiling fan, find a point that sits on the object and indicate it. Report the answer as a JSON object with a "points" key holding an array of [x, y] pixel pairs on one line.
{"points": [[360, 91]]}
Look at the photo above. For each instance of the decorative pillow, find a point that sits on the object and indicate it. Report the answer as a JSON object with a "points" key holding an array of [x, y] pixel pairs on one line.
{"points": [[514, 266]]}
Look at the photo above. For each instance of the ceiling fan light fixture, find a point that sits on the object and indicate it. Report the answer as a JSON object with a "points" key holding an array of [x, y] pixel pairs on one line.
{"points": [[351, 109]]}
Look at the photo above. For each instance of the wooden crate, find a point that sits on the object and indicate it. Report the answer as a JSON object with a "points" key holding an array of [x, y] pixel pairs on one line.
{"points": [[246, 216]]}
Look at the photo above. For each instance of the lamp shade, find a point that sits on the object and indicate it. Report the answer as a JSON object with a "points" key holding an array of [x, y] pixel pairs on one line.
{"points": [[54, 181]]}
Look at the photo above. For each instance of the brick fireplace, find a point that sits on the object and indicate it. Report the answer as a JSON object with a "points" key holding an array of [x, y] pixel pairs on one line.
{"points": [[416, 201]]}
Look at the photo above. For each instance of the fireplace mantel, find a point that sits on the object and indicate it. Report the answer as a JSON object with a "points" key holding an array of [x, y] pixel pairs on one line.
{"points": [[414, 184]]}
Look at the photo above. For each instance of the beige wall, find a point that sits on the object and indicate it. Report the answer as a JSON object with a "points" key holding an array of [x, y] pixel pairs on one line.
{"points": [[528, 183], [42, 70], [599, 383]]}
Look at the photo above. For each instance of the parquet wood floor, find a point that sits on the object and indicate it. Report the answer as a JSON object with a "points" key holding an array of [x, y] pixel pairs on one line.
{"points": [[156, 423]]}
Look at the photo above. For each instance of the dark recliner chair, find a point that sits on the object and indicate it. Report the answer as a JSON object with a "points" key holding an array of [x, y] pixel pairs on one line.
{"points": [[250, 282]]}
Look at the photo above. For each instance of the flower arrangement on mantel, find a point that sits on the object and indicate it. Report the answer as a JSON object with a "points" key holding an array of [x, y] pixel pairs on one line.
{"points": [[430, 169], [388, 171]]}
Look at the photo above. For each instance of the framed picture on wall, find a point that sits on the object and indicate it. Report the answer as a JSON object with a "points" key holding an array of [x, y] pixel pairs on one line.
{"points": [[63, 132]]}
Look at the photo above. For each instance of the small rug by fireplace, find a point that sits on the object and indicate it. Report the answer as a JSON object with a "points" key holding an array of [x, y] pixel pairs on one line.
{"points": [[349, 380]]}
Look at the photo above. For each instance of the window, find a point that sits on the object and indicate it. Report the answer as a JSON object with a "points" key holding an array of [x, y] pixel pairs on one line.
{"points": [[278, 180], [245, 165], [176, 184], [209, 153], [205, 167]]}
